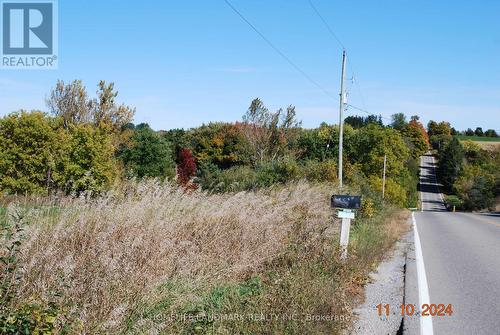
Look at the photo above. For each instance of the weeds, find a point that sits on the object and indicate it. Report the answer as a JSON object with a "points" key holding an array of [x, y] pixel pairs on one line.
{"points": [[159, 259]]}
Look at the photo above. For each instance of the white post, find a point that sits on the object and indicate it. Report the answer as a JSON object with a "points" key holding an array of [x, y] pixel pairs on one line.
{"points": [[383, 179], [344, 236]]}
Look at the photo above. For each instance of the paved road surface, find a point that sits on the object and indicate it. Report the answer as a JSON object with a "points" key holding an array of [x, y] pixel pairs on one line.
{"points": [[461, 253]]}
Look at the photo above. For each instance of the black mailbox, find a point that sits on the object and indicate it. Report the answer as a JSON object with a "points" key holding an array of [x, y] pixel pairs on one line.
{"points": [[346, 201]]}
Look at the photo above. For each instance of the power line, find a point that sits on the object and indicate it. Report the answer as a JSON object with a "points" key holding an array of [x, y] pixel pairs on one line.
{"points": [[332, 33], [279, 52], [327, 25], [356, 83]]}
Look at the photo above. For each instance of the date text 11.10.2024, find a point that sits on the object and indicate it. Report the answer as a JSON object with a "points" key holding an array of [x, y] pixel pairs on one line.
{"points": [[426, 310]]}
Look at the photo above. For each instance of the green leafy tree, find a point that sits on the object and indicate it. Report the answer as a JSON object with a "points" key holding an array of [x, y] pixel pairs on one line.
{"points": [[372, 143], [490, 133], [398, 121], [479, 132], [451, 160], [441, 128], [30, 149], [148, 155], [357, 122], [220, 144], [323, 143], [89, 165]]}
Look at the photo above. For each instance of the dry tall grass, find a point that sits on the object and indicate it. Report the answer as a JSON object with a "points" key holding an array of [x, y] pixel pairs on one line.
{"points": [[106, 255]]}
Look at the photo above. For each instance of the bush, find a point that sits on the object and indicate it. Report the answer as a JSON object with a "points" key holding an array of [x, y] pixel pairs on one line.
{"points": [[476, 187], [320, 171], [453, 201], [277, 172], [394, 193], [235, 179]]}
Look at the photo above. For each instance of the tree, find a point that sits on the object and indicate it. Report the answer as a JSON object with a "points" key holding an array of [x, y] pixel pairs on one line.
{"points": [[89, 165], [323, 143], [469, 132], [479, 132], [490, 133], [268, 133], [372, 143], [148, 155], [31, 145], [398, 121], [415, 132], [450, 163], [186, 168], [441, 128], [358, 121], [220, 144], [72, 103], [107, 112]]}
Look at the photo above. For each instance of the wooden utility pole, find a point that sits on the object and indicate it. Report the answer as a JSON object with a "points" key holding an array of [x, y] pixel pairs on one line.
{"points": [[341, 122]]}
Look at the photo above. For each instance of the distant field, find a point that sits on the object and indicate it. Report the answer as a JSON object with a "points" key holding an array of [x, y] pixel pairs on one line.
{"points": [[478, 138], [491, 146], [486, 143]]}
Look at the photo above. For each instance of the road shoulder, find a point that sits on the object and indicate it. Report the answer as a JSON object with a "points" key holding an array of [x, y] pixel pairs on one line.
{"points": [[387, 286]]}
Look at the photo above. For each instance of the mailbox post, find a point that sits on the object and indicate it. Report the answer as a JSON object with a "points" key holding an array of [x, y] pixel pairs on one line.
{"points": [[347, 204]]}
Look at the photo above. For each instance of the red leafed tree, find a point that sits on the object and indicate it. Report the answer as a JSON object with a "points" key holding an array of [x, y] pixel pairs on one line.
{"points": [[186, 169]]}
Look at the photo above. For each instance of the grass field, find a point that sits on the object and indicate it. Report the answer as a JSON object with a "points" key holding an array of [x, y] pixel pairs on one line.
{"points": [[160, 260], [486, 143], [478, 138]]}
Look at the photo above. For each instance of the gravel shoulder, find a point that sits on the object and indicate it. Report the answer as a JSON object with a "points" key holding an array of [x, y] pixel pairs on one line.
{"points": [[387, 286]]}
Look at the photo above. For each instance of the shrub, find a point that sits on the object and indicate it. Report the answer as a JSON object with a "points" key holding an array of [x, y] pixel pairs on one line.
{"points": [[394, 193], [320, 171], [277, 172], [453, 201], [235, 179], [186, 168]]}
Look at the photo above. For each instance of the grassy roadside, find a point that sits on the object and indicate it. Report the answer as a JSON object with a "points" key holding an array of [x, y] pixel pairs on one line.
{"points": [[163, 260]]}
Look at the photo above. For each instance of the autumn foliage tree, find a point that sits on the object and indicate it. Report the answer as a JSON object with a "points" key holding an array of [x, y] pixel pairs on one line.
{"points": [[186, 168], [416, 134]]}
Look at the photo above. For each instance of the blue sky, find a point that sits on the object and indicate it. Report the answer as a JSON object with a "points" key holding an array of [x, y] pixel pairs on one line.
{"points": [[183, 63]]}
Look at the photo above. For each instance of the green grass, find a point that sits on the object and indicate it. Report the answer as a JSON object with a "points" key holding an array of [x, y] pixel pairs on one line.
{"points": [[3, 210], [478, 138]]}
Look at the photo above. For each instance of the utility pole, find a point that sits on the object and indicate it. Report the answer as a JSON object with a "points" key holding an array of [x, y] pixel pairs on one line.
{"points": [[341, 122], [383, 178]]}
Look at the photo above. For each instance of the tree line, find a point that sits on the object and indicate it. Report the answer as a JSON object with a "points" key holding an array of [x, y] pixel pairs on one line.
{"points": [[469, 174], [89, 145]]}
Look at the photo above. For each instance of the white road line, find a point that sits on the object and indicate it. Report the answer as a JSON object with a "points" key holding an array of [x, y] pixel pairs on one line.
{"points": [[423, 289]]}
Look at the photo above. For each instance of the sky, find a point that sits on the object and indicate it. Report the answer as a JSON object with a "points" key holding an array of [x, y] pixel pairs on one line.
{"points": [[184, 63]]}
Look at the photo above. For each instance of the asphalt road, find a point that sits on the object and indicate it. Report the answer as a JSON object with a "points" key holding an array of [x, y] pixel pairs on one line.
{"points": [[461, 253]]}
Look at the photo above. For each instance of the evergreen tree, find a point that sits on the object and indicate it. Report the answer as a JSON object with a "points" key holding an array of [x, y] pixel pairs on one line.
{"points": [[148, 155], [450, 163]]}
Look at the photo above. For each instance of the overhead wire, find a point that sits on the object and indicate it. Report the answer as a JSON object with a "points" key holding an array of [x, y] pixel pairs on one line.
{"points": [[293, 64], [349, 62], [278, 51]]}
